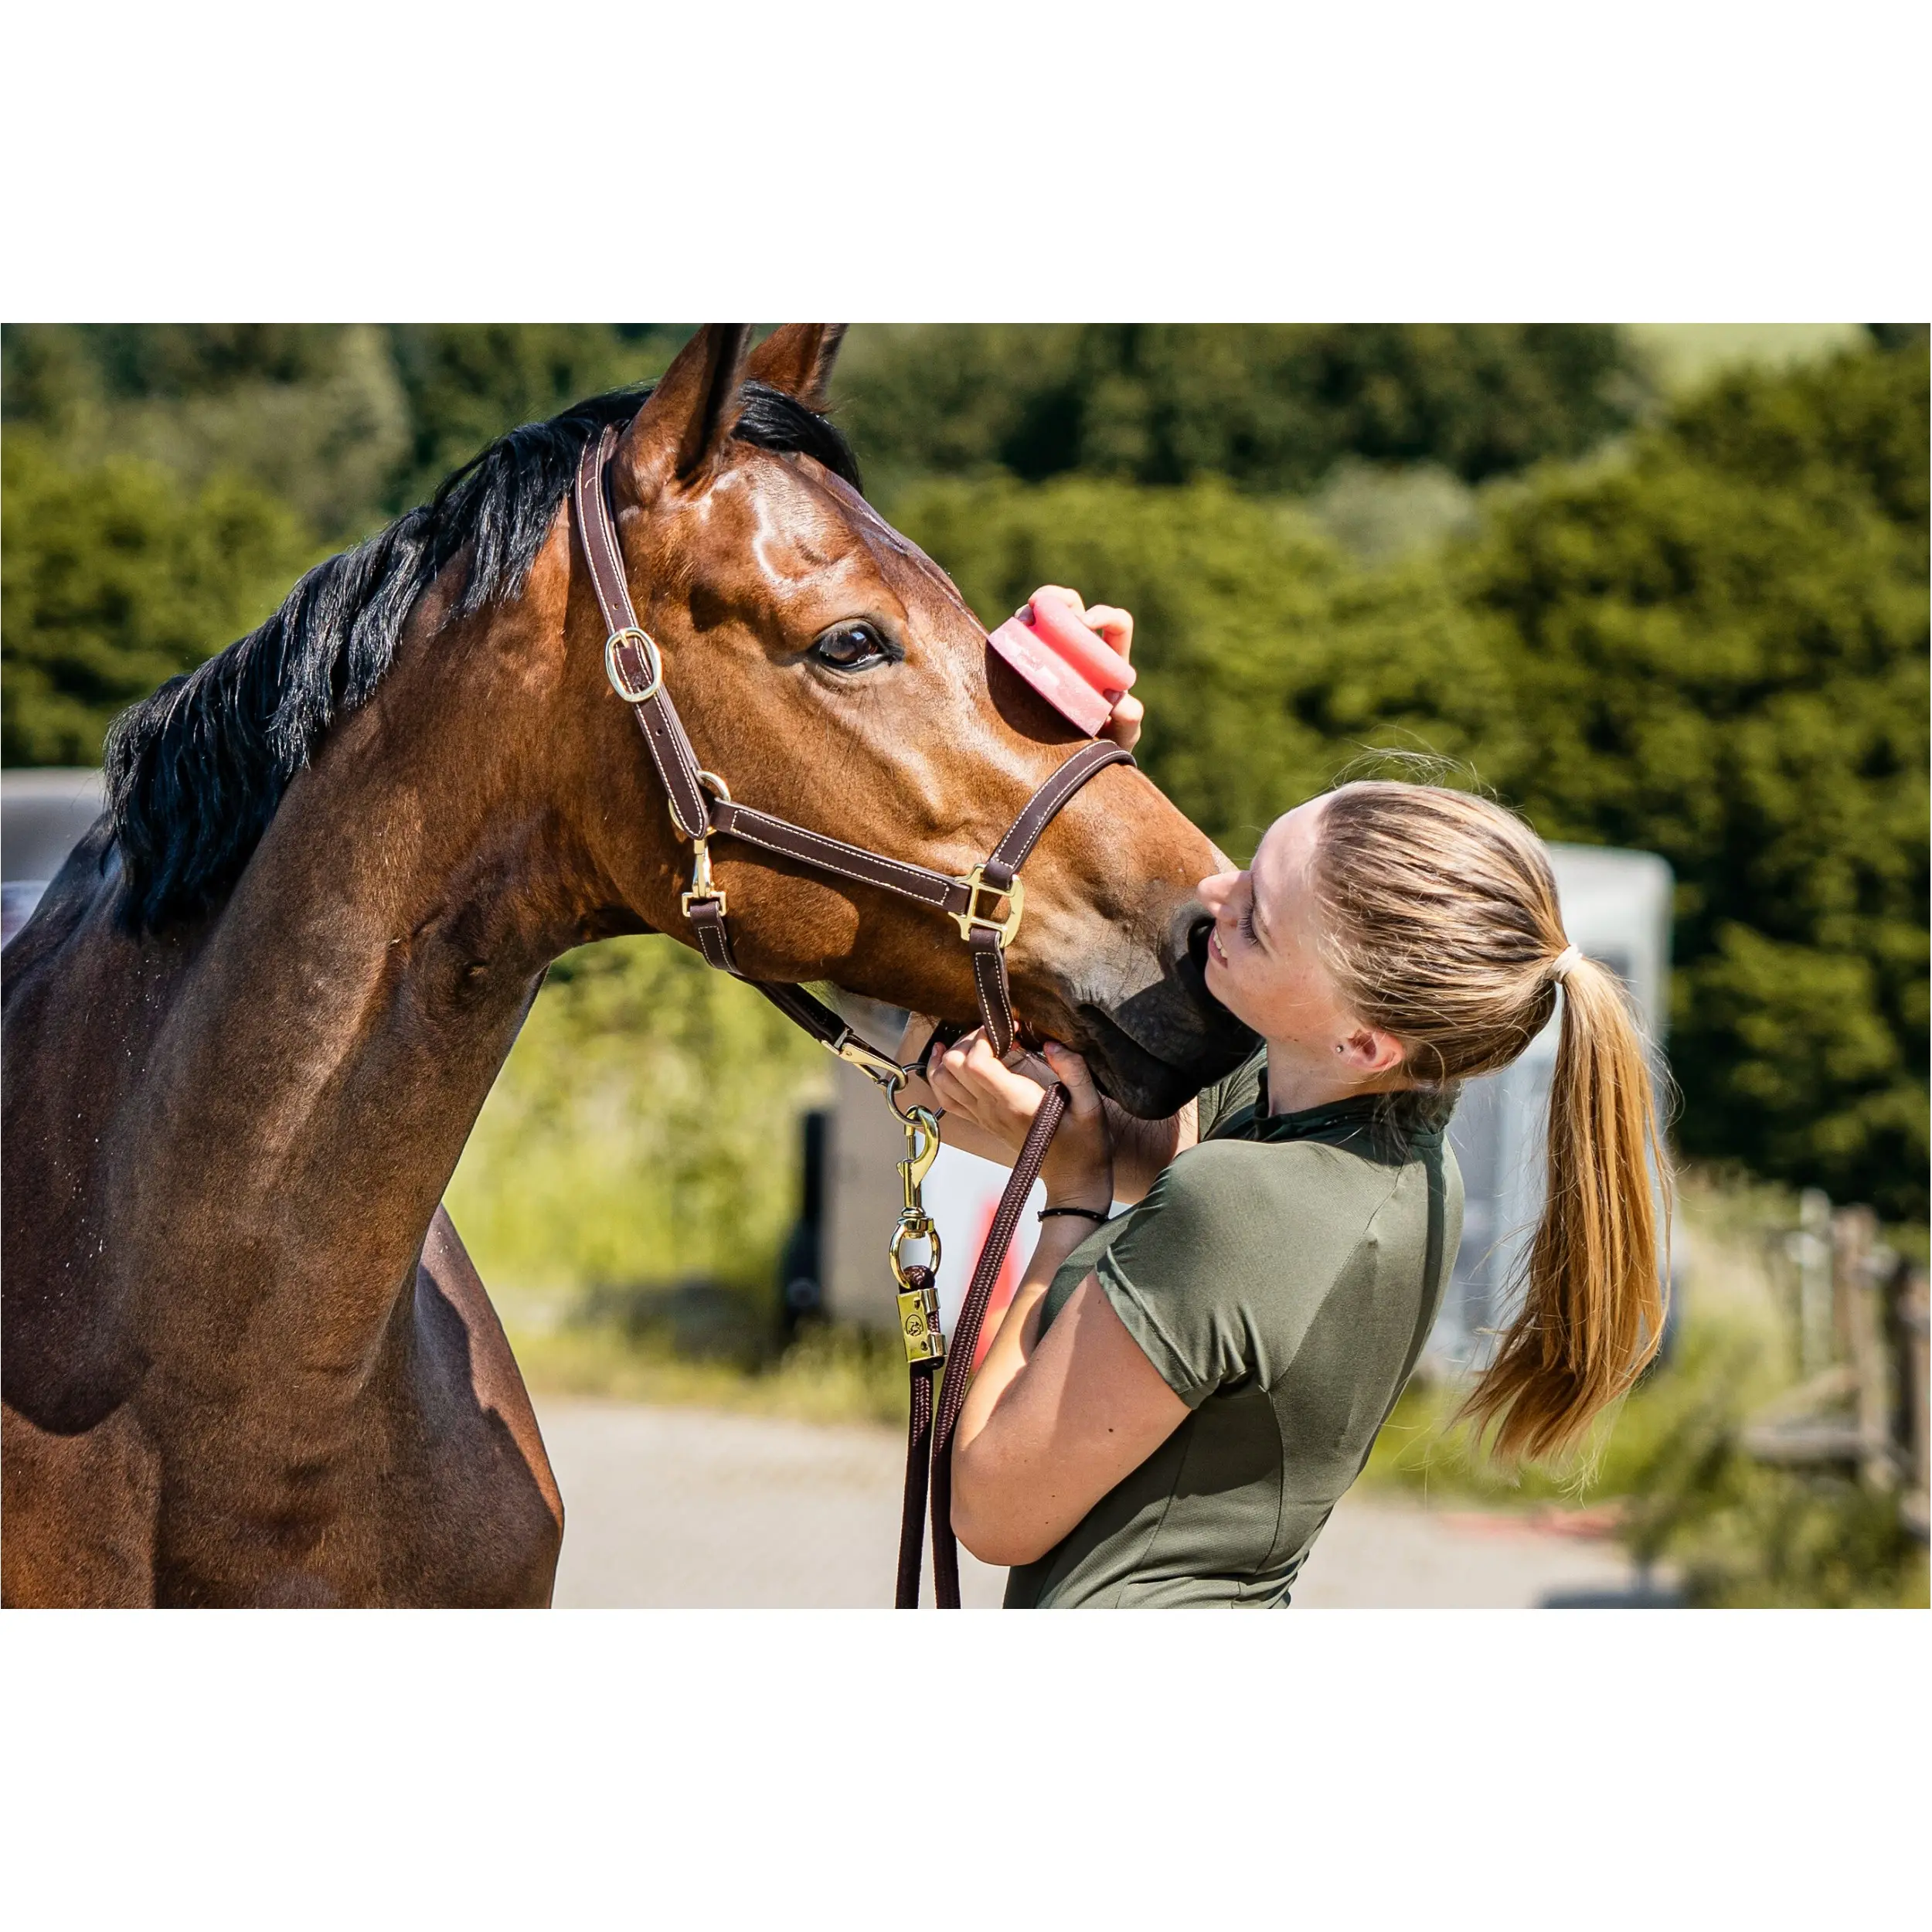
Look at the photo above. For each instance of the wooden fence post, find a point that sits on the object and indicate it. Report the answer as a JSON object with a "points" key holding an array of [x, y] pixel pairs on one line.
{"points": [[1811, 1251], [1909, 1325], [1858, 1319]]}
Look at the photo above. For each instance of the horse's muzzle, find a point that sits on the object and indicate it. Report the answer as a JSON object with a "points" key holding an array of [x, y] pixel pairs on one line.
{"points": [[1153, 1050]]}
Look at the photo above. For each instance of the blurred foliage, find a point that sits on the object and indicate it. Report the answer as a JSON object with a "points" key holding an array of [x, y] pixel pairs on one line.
{"points": [[1683, 356], [467, 383], [1707, 637], [643, 1130], [1717, 651], [348, 424], [1735, 1532], [1711, 646], [1272, 407], [1742, 1533], [827, 1374], [1268, 660], [316, 416], [117, 578]]}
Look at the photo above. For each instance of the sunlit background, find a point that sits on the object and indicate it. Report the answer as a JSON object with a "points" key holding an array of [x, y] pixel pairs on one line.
{"points": [[1664, 588]]}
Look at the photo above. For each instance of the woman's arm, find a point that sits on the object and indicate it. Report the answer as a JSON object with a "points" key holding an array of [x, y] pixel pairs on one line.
{"points": [[1050, 1424], [1142, 1148]]}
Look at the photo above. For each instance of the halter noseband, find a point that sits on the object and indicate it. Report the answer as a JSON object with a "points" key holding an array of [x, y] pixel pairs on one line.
{"points": [[702, 809]]}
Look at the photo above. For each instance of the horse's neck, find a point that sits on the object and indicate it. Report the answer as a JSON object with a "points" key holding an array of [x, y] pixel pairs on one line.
{"points": [[338, 1034]]}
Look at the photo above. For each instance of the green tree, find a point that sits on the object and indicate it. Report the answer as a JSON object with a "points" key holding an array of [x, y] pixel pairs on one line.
{"points": [[116, 579], [643, 1129], [313, 415], [349, 424], [1718, 651], [48, 371], [1269, 662], [467, 383], [1272, 408]]}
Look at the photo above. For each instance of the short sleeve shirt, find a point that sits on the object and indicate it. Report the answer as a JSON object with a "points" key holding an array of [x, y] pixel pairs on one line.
{"points": [[1281, 1276]]}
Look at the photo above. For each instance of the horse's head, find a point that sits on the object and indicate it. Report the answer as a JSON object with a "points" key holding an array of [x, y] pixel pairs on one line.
{"points": [[827, 670]]}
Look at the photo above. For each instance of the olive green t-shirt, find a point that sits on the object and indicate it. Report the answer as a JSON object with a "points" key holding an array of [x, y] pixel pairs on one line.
{"points": [[1282, 1277]]}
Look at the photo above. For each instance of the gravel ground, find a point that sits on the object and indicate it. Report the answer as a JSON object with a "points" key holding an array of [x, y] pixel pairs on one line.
{"points": [[688, 1507]]}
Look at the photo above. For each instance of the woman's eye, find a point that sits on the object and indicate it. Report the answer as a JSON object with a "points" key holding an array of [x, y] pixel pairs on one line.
{"points": [[1247, 922], [852, 647]]}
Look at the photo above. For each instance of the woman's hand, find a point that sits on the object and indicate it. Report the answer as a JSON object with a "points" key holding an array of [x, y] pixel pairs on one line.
{"points": [[1000, 1098], [1140, 1148], [1116, 627]]}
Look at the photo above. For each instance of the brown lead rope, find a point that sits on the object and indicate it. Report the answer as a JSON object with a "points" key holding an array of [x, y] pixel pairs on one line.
{"points": [[919, 1456], [938, 1431]]}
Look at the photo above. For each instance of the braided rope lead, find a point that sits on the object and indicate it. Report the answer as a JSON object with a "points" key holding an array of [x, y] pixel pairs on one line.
{"points": [[919, 1449]]}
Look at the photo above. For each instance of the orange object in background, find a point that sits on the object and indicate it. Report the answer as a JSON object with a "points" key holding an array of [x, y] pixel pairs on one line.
{"points": [[1004, 1289]]}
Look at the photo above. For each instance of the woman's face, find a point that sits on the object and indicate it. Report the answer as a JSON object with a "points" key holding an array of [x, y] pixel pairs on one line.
{"points": [[1265, 964]]}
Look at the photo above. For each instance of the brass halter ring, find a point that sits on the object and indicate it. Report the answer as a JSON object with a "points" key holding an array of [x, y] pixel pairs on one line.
{"points": [[713, 783], [920, 1231], [634, 694]]}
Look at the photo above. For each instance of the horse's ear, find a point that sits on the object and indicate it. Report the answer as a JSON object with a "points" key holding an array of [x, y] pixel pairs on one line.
{"points": [[797, 359], [690, 414]]}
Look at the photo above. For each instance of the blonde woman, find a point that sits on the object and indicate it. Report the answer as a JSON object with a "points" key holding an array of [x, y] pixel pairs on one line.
{"points": [[1177, 1396]]}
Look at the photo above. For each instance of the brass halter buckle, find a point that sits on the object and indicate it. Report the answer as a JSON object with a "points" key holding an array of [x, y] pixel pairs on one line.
{"points": [[653, 658], [975, 883], [886, 1074]]}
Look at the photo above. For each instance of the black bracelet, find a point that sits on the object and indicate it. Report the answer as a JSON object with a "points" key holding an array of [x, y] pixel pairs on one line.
{"points": [[1086, 1214]]}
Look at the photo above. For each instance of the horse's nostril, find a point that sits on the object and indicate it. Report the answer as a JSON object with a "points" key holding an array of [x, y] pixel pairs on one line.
{"points": [[1198, 934], [1188, 927]]}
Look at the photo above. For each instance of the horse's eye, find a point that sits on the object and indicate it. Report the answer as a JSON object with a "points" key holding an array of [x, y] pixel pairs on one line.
{"points": [[852, 647]]}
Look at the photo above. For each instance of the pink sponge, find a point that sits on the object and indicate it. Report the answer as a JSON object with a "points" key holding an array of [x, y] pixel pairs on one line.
{"points": [[1071, 667]]}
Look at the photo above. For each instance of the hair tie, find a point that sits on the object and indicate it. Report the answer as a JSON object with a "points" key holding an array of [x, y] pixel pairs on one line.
{"points": [[1560, 965]]}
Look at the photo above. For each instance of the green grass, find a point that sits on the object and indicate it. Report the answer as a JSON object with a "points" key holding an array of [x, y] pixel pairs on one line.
{"points": [[829, 1374]]}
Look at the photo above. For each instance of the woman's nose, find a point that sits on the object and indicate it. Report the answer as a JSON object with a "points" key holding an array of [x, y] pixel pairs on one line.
{"points": [[1214, 892]]}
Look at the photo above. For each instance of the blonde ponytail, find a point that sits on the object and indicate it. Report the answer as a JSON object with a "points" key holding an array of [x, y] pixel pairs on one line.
{"points": [[1592, 1309], [1442, 928]]}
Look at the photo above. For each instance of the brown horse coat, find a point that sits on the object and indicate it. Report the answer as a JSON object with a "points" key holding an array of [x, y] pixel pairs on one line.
{"points": [[246, 1359]]}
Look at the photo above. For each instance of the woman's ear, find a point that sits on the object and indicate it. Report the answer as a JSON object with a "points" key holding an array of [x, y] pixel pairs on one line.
{"points": [[1370, 1054]]}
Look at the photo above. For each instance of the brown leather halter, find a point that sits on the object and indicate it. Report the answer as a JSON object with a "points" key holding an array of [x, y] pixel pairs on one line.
{"points": [[987, 903]]}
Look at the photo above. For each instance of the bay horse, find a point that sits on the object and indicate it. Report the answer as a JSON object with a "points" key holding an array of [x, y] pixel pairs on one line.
{"points": [[252, 1022]]}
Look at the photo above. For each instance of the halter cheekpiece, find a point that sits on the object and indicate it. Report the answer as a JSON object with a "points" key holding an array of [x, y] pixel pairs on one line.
{"points": [[987, 903]]}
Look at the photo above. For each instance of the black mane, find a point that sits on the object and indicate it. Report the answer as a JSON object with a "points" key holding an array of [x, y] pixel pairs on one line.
{"points": [[196, 772]]}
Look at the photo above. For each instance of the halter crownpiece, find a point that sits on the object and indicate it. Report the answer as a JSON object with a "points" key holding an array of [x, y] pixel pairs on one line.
{"points": [[1559, 967]]}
